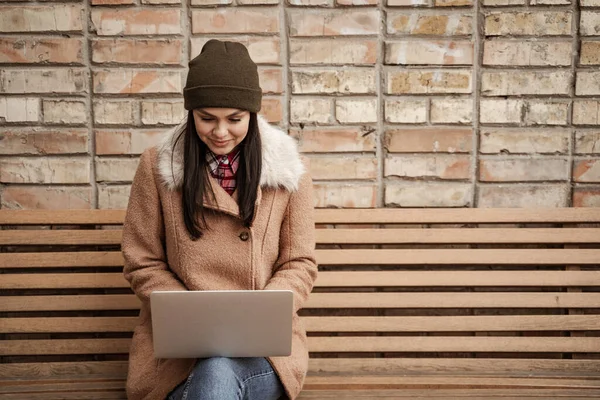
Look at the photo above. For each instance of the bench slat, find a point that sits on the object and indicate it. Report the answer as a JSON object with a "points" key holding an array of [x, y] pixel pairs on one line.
{"points": [[62, 217], [334, 324], [451, 394], [61, 237], [63, 260]]}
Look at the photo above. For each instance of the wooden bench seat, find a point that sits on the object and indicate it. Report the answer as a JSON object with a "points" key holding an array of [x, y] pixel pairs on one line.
{"points": [[409, 303]]}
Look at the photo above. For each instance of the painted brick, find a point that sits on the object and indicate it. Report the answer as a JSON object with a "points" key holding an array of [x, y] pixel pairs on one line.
{"points": [[524, 141], [64, 111], [263, 50], [590, 53], [586, 170], [586, 112], [332, 23], [115, 112], [234, 20], [441, 166], [527, 53], [113, 196], [587, 142], [272, 109], [44, 170], [429, 140], [333, 140], [523, 196], [271, 80], [422, 82], [539, 112], [56, 17], [134, 21], [46, 197], [451, 110], [333, 51], [538, 23], [500, 111], [115, 169], [586, 197], [508, 83], [130, 141], [423, 23], [522, 169], [428, 194], [406, 111], [162, 112], [347, 167], [47, 80], [129, 81], [588, 83], [19, 109], [345, 195], [353, 111], [589, 24], [311, 110], [41, 51], [425, 52], [43, 141], [359, 81], [137, 51]]}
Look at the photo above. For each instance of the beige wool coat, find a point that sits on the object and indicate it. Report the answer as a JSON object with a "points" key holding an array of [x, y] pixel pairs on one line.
{"points": [[276, 253]]}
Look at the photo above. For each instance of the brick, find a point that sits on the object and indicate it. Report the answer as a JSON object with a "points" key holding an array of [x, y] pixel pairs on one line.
{"points": [[499, 3], [500, 111], [263, 50], [46, 197], [422, 23], [41, 51], [453, 3], [586, 112], [588, 83], [64, 111], [271, 80], [209, 3], [332, 23], [425, 52], [333, 140], [352, 111], [539, 112], [234, 20], [52, 18], [524, 141], [115, 169], [311, 110], [429, 194], [527, 53], [113, 196], [347, 167], [162, 112], [549, 2], [355, 81], [409, 3], [440, 166], [523, 169], [508, 83], [112, 2], [47, 80], [43, 141], [345, 195], [256, 2], [590, 53], [587, 142], [125, 81], [406, 111], [44, 170], [586, 197], [130, 141], [19, 109], [137, 51], [523, 196], [333, 51], [586, 170], [156, 2], [589, 24], [589, 3], [272, 109], [451, 110], [311, 3], [356, 2], [429, 82], [538, 23], [429, 140], [135, 21], [115, 112]]}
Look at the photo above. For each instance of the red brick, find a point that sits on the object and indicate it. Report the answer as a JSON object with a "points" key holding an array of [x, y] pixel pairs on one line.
{"points": [[38, 51], [263, 50], [234, 20], [42, 141], [137, 51], [44, 170], [272, 109], [112, 2], [133, 21], [271, 80], [330, 140], [132, 141], [137, 81], [345, 195], [113, 196], [56, 17], [333, 23], [523, 196], [47, 80], [429, 140], [46, 197], [333, 51], [586, 170], [523, 169], [440, 166], [343, 167], [586, 197]]}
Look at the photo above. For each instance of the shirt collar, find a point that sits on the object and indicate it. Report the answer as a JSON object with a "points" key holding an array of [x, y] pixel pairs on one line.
{"points": [[232, 159]]}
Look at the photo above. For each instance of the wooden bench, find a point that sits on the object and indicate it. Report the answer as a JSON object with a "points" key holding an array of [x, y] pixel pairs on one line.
{"points": [[430, 303]]}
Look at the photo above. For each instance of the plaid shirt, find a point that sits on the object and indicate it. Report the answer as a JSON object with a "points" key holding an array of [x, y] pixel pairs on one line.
{"points": [[224, 168]]}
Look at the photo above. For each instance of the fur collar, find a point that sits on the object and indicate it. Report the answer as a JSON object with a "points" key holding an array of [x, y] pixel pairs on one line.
{"points": [[282, 166]]}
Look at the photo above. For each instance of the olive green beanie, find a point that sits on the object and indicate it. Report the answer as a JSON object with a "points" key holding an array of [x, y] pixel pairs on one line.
{"points": [[223, 75]]}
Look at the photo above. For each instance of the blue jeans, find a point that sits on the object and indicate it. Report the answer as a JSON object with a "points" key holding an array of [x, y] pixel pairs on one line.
{"points": [[221, 378]]}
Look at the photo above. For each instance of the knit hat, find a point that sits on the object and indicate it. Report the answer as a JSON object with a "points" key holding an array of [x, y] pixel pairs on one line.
{"points": [[223, 75]]}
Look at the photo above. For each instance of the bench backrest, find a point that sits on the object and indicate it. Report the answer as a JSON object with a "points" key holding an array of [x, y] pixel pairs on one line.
{"points": [[401, 291]]}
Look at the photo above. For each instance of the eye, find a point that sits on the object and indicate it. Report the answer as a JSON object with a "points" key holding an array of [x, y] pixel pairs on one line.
{"points": [[206, 119], [234, 120]]}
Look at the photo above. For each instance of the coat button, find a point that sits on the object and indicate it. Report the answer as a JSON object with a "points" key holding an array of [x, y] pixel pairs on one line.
{"points": [[244, 236]]}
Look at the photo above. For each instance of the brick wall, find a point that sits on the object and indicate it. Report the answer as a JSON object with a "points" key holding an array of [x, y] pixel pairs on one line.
{"points": [[414, 103]]}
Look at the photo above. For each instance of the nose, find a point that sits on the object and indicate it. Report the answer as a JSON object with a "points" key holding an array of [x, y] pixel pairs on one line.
{"points": [[220, 130]]}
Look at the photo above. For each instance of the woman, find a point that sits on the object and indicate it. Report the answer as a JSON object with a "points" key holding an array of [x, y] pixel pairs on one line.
{"points": [[222, 203]]}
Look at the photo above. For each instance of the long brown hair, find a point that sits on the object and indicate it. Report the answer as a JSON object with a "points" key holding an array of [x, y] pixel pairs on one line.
{"points": [[196, 184]]}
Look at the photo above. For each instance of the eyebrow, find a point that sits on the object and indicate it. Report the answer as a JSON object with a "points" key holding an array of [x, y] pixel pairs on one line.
{"points": [[214, 116]]}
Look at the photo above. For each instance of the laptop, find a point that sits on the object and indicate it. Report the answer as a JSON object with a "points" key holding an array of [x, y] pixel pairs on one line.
{"points": [[222, 323]]}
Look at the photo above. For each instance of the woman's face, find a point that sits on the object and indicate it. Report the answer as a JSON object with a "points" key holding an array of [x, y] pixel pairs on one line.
{"points": [[221, 129]]}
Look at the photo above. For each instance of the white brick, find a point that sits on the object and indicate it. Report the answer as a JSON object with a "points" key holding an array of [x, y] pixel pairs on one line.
{"points": [[451, 111], [19, 109], [115, 169], [424, 194], [65, 112], [499, 111], [406, 111], [356, 111], [311, 111], [115, 112], [168, 112]]}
